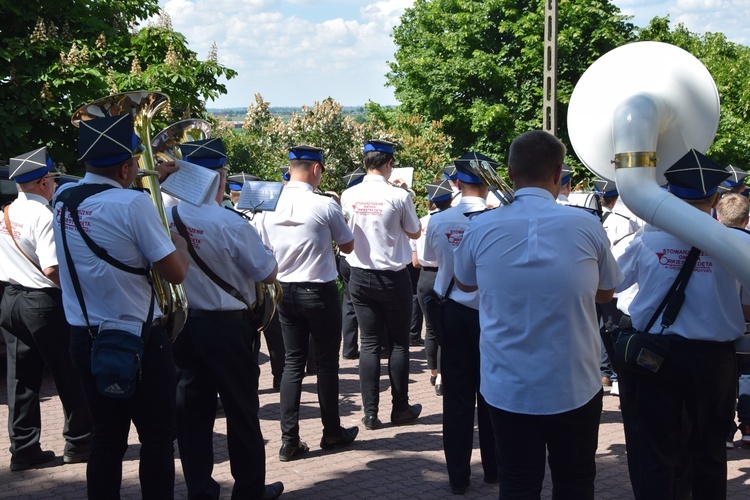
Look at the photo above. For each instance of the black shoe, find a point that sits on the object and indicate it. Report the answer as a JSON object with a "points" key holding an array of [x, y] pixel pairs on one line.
{"points": [[344, 438], [76, 458], [416, 342], [491, 479], [273, 491], [439, 389], [351, 356], [408, 414], [40, 458], [433, 378], [289, 452], [459, 490], [371, 422]]}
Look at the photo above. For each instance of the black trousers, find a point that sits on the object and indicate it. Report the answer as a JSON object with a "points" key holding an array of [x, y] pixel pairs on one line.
{"points": [[524, 441], [275, 345], [383, 303], [682, 415], [415, 328], [310, 309], [219, 355], [37, 335], [431, 347], [460, 370], [349, 323], [151, 409]]}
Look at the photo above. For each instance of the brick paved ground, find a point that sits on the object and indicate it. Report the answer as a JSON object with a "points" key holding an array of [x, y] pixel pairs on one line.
{"points": [[391, 462]]}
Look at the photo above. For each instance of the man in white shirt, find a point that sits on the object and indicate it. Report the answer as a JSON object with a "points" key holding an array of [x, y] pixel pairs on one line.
{"points": [[33, 321], [530, 252], [461, 332], [382, 218], [687, 407], [125, 223], [300, 232]]}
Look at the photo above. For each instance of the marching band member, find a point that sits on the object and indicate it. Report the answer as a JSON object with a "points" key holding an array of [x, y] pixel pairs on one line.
{"points": [[33, 320], [300, 232], [125, 223], [439, 195], [459, 362], [688, 405], [217, 350], [529, 252], [382, 218]]}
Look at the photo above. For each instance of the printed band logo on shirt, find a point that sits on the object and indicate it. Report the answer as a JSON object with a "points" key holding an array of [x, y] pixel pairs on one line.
{"points": [[70, 225], [194, 234], [673, 260], [455, 236], [368, 208]]}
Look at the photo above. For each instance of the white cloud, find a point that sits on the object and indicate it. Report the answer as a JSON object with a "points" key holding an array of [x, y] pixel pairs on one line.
{"points": [[298, 51]]}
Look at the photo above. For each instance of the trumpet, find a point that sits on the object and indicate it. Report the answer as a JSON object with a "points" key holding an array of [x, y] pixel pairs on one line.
{"points": [[494, 182], [143, 106]]}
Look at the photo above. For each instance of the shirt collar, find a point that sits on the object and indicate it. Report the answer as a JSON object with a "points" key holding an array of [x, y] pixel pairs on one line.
{"points": [[534, 191], [373, 178], [32, 197], [298, 185], [91, 178]]}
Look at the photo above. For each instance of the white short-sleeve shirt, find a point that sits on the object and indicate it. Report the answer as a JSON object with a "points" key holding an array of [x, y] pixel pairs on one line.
{"points": [[419, 244], [230, 247], [125, 223], [712, 309], [538, 266], [300, 232], [379, 216], [31, 219], [444, 233]]}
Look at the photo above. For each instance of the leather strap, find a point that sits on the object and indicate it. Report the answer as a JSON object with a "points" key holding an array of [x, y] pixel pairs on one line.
{"points": [[10, 231]]}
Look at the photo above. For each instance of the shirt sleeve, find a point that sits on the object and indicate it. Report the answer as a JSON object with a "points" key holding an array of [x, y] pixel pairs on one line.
{"points": [[464, 266], [628, 263], [609, 272], [45, 241], [429, 251], [339, 229], [251, 256], [151, 236], [409, 218]]}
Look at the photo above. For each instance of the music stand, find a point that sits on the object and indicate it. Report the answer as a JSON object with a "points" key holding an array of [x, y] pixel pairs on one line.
{"points": [[259, 196]]}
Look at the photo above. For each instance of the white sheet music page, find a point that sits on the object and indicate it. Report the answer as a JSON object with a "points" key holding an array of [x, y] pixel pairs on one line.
{"points": [[192, 183], [259, 196]]}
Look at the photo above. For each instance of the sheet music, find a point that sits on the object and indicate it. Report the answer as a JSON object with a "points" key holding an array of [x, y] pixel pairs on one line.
{"points": [[406, 174], [259, 196], [192, 183]]}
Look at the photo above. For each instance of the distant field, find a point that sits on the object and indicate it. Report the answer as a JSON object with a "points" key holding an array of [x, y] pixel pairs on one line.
{"points": [[238, 114]]}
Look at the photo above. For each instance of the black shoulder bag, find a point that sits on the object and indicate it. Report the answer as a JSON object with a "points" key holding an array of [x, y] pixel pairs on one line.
{"points": [[115, 354], [643, 352]]}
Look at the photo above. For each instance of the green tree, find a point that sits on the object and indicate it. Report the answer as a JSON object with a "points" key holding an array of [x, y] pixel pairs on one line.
{"points": [[58, 56], [729, 65], [476, 65]]}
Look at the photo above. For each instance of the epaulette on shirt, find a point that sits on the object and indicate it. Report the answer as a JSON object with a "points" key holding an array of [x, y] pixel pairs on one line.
{"points": [[474, 215]]}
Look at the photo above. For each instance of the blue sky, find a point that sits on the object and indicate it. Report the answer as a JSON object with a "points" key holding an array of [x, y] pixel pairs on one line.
{"points": [[296, 52]]}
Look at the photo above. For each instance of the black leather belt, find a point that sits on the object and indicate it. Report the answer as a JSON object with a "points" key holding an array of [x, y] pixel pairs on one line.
{"points": [[49, 289], [225, 315], [307, 285], [433, 269]]}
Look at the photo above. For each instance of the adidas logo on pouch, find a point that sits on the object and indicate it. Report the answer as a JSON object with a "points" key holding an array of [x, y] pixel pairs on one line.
{"points": [[114, 389]]}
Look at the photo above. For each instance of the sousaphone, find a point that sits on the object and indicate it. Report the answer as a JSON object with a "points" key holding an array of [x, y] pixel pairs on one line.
{"points": [[634, 113]]}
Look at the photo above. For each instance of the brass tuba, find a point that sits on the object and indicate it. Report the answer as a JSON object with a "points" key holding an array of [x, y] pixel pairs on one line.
{"points": [[166, 144], [142, 106]]}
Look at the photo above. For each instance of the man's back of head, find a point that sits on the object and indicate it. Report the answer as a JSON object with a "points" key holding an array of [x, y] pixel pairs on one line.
{"points": [[534, 158], [732, 210]]}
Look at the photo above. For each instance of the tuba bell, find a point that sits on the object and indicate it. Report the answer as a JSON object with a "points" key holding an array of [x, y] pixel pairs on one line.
{"points": [[633, 113], [166, 144], [142, 106]]}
